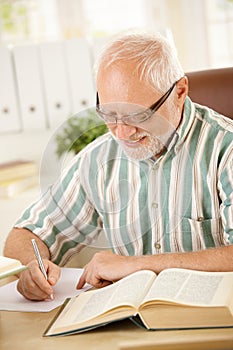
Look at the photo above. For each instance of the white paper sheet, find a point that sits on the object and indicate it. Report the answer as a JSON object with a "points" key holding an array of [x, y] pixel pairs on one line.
{"points": [[12, 300]]}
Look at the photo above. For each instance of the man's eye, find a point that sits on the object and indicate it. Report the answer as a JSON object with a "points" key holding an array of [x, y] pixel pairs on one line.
{"points": [[141, 117]]}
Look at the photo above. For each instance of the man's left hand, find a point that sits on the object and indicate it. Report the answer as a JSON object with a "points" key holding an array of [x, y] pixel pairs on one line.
{"points": [[106, 268]]}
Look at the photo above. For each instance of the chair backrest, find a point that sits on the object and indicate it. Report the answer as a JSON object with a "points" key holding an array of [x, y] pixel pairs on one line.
{"points": [[213, 88]]}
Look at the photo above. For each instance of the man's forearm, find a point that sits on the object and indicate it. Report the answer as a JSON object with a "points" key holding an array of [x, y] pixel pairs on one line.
{"points": [[19, 246], [215, 259], [106, 267]]}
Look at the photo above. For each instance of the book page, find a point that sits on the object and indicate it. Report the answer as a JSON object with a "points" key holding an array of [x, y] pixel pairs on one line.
{"points": [[192, 287], [129, 291], [8, 264]]}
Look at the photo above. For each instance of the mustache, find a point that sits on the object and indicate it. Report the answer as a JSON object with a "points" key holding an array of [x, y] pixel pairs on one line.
{"points": [[138, 136], [133, 138]]}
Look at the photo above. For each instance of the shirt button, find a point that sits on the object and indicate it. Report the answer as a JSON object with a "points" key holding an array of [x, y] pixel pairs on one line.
{"points": [[157, 245], [155, 205], [200, 219], [155, 167]]}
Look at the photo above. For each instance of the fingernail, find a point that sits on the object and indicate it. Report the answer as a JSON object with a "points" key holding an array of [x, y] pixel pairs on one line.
{"points": [[51, 296]]}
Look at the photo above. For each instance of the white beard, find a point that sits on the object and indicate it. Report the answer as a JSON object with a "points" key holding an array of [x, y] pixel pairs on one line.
{"points": [[155, 145]]}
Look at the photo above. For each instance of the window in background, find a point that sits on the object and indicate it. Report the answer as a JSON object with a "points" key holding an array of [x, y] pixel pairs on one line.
{"points": [[108, 17], [24, 21], [219, 15], [209, 34]]}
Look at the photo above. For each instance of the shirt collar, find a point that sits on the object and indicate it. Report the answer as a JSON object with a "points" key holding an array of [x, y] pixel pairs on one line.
{"points": [[182, 131]]}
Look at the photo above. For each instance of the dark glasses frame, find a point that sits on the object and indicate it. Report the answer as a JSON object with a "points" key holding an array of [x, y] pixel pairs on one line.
{"points": [[134, 118]]}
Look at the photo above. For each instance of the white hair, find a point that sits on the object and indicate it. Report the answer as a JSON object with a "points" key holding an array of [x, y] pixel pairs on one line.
{"points": [[155, 58]]}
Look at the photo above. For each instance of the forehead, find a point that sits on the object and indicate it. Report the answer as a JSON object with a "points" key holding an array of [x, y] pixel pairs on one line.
{"points": [[120, 82]]}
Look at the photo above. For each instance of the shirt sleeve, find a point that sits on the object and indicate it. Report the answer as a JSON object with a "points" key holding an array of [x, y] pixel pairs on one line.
{"points": [[63, 217], [226, 194]]}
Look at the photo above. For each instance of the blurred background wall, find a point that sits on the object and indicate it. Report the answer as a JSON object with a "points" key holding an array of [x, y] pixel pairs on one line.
{"points": [[202, 30]]}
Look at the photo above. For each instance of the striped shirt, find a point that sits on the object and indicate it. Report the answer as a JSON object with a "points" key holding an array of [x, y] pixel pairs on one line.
{"points": [[181, 202]]}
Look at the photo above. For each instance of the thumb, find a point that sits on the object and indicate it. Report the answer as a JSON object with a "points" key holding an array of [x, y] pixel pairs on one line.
{"points": [[53, 273]]}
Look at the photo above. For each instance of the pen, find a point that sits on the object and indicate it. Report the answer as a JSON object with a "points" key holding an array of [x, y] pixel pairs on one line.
{"points": [[40, 262], [38, 258]]}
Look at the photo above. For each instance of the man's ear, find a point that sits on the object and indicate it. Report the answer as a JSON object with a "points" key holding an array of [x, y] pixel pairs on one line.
{"points": [[181, 91]]}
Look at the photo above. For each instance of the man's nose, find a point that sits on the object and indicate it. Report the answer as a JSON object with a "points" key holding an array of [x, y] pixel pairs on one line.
{"points": [[124, 131]]}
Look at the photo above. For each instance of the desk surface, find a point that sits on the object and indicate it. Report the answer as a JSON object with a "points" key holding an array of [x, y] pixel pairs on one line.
{"points": [[24, 331]]}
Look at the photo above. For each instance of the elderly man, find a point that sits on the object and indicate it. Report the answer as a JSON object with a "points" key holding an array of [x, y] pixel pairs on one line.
{"points": [[160, 183]]}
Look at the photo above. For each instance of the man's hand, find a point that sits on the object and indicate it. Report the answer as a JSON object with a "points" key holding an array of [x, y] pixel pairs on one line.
{"points": [[106, 268], [32, 284]]}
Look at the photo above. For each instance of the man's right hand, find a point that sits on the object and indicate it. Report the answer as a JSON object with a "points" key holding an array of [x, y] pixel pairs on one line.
{"points": [[32, 283]]}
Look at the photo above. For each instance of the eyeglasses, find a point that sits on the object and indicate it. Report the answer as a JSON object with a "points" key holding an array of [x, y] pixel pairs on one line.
{"points": [[133, 118]]}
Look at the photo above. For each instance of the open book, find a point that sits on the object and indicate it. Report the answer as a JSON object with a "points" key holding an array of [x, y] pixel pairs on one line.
{"points": [[176, 298], [10, 267]]}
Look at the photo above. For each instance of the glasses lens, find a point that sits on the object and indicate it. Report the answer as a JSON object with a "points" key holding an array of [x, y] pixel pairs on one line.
{"points": [[127, 119], [138, 118], [108, 118]]}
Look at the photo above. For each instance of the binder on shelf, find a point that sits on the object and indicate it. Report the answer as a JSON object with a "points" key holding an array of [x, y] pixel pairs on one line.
{"points": [[30, 88], [55, 82], [9, 112], [80, 74]]}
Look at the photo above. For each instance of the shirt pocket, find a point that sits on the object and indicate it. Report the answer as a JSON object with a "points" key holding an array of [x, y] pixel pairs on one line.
{"points": [[201, 233]]}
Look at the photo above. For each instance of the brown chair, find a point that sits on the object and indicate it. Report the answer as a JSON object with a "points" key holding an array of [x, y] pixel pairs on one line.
{"points": [[213, 88]]}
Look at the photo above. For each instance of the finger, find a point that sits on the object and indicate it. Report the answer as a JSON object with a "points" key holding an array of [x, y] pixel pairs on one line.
{"points": [[53, 273], [95, 282], [38, 278], [29, 289], [101, 283], [81, 282], [32, 293], [33, 284]]}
